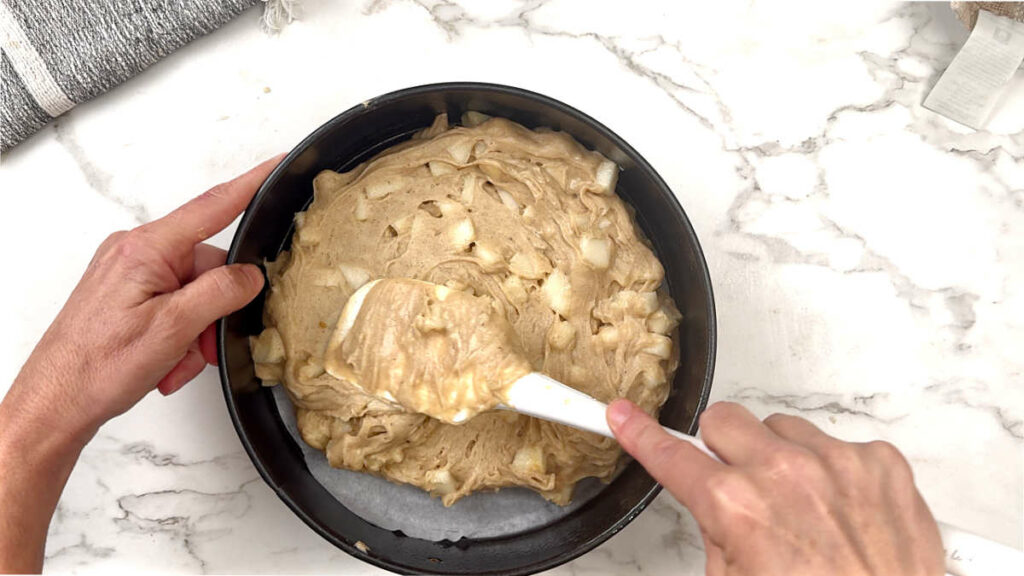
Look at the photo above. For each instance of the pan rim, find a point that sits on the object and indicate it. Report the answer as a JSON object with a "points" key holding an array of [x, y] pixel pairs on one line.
{"points": [[709, 354]]}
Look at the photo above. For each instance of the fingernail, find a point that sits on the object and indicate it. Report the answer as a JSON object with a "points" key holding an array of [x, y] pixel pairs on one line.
{"points": [[618, 412], [167, 389]]}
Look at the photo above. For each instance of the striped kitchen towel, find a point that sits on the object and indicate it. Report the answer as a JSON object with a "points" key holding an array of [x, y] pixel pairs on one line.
{"points": [[58, 53]]}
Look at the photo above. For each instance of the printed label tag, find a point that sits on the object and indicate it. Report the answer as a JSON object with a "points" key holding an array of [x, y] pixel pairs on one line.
{"points": [[968, 89]]}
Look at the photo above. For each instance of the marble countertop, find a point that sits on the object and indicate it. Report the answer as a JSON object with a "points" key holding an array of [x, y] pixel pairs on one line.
{"points": [[867, 255]]}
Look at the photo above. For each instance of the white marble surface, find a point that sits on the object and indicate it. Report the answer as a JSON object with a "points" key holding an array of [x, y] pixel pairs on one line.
{"points": [[868, 256]]}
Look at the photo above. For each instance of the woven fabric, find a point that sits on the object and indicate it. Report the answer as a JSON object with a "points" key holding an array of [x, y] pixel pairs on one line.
{"points": [[967, 12], [57, 53]]}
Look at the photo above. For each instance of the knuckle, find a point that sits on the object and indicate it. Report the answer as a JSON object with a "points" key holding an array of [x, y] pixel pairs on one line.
{"points": [[231, 282], [890, 459], [727, 487], [106, 251], [883, 452], [226, 281], [734, 498], [792, 464], [113, 239], [218, 191], [132, 248], [664, 453], [843, 458], [643, 436]]}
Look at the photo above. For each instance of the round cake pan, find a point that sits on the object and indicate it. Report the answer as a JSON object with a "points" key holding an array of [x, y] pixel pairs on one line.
{"points": [[265, 230]]}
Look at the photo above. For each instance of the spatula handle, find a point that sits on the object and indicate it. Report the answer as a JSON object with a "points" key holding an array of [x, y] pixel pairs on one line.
{"points": [[546, 398]]}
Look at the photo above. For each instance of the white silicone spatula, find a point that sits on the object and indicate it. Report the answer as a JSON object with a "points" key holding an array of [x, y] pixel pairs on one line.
{"points": [[543, 397], [548, 399]]}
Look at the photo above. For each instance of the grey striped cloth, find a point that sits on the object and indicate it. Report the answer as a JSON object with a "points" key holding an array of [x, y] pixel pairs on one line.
{"points": [[58, 53]]}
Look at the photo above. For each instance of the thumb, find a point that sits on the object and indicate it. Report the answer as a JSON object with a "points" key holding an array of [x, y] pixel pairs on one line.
{"points": [[678, 466], [213, 294]]}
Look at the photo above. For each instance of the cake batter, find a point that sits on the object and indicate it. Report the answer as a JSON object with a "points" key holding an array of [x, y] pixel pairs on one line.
{"points": [[525, 220]]}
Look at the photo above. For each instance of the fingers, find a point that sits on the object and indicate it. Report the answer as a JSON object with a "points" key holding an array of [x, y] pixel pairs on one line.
{"points": [[212, 211], [675, 464], [799, 431], [214, 294], [736, 435], [188, 368], [208, 344], [206, 257]]}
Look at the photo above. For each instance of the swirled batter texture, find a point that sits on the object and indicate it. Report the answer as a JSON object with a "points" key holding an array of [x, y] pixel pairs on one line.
{"points": [[445, 353], [527, 218]]}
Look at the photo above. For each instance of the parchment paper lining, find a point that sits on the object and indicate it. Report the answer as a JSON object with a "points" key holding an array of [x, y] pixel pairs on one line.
{"points": [[414, 512]]}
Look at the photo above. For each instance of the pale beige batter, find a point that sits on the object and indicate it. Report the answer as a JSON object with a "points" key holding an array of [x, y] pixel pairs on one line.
{"points": [[445, 353], [528, 219]]}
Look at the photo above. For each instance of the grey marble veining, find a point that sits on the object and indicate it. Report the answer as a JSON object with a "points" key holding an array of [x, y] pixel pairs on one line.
{"points": [[866, 253]]}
